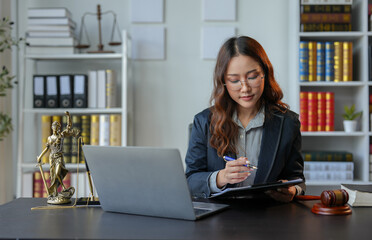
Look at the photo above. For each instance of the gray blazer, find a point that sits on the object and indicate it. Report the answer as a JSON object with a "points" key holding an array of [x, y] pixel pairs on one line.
{"points": [[279, 158]]}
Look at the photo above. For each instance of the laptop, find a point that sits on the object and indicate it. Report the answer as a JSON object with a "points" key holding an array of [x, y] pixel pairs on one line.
{"points": [[145, 181]]}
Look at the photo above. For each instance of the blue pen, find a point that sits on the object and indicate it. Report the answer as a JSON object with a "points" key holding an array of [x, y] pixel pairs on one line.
{"points": [[226, 158]]}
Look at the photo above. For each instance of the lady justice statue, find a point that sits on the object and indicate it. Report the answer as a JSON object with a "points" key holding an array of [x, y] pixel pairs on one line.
{"points": [[57, 164]]}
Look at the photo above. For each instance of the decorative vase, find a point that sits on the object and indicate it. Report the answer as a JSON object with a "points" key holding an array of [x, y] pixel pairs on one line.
{"points": [[350, 125]]}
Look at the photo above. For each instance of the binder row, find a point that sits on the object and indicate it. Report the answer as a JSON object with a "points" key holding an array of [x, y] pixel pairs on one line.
{"points": [[60, 91]]}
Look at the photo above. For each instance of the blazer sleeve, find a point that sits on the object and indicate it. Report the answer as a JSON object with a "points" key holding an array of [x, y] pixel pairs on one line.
{"points": [[197, 172]]}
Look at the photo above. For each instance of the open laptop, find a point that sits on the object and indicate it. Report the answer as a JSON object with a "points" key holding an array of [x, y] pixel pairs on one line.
{"points": [[145, 181]]}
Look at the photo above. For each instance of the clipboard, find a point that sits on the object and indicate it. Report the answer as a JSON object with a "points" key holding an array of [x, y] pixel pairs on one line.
{"points": [[250, 191]]}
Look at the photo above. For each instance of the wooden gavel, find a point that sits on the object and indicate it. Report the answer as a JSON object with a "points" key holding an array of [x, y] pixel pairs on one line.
{"points": [[329, 198], [333, 202]]}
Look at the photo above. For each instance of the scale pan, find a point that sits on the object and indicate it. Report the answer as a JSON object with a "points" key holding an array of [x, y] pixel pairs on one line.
{"points": [[114, 43], [80, 46]]}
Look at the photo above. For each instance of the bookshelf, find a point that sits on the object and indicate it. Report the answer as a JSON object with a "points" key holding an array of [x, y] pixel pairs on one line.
{"points": [[346, 93], [29, 139]]}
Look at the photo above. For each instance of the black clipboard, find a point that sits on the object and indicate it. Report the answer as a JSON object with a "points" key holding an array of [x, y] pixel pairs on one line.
{"points": [[249, 191]]}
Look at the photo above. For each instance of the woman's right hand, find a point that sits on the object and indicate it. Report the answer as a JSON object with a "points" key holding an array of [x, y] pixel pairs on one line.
{"points": [[234, 172]]}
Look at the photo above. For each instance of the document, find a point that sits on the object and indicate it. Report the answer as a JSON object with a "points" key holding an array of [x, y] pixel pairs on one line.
{"points": [[256, 188]]}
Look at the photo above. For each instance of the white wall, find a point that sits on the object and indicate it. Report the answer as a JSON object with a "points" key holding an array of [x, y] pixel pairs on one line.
{"points": [[168, 93]]}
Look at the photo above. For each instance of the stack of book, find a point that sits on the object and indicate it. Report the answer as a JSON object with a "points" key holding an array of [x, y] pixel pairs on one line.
{"points": [[103, 130], [326, 15], [326, 61], [328, 165], [317, 110], [50, 31]]}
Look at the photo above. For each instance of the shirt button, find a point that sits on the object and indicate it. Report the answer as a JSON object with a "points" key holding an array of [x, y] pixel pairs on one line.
{"points": [[241, 136]]}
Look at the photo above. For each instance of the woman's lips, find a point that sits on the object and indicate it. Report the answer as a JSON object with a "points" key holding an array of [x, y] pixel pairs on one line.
{"points": [[246, 98]]}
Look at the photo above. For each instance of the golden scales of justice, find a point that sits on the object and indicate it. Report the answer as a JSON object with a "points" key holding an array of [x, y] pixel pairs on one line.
{"points": [[83, 32], [58, 171]]}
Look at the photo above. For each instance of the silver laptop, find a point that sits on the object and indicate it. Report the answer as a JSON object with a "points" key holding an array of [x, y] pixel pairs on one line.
{"points": [[145, 181]]}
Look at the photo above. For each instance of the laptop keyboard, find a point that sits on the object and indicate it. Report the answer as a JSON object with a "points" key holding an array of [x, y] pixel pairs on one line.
{"points": [[199, 211]]}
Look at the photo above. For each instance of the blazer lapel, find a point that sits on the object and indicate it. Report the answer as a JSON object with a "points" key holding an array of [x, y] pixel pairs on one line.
{"points": [[269, 146]]}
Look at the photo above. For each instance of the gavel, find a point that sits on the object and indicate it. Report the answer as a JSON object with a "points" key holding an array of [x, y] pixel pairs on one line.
{"points": [[333, 202]]}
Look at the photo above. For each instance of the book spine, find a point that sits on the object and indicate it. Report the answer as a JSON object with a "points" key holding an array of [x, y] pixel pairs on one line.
{"points": [[115, 130], [94, 130], [321, 111], [47, 178], [328, 166], [338, 61], [330, 111], [312, 61], [329, 62], [76, 125], [101, 90], [304, 61], [110, 89], [325, 27], [320, 61], [92, 89], [347, 62], [37, 185], [66, 143], [325, 18], [85, 133], [325, 8], [46, 122], [104, 130], [312, 111], [304, 111]]}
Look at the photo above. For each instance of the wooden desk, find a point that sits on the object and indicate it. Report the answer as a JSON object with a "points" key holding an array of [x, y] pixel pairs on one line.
{"points": [[249, 219]]}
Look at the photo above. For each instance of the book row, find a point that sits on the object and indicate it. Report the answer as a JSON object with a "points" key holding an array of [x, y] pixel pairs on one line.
{"points": [[327, 156], [329, 170], [326, 61], [37, 190], [95, 90], [104, 130], [317, 111], [329, 175], [328, 166]]}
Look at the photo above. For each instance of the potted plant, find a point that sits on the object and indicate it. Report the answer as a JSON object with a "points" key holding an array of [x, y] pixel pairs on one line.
{"points": [[350, 118], [6, 80]]}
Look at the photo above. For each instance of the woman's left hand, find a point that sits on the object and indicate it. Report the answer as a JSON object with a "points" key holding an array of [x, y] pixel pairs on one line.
{"points": [[283, 194]]}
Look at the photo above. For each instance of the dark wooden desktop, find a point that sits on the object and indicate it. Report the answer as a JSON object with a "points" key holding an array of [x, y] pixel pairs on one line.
{"points": [[248, 219]]}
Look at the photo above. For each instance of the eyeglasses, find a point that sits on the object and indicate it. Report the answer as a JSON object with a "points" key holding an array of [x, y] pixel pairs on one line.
{"points": [[252, 81]]}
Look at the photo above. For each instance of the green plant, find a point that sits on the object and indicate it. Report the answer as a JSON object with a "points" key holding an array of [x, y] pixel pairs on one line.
{"points": [[6, 79], [350, 113]]}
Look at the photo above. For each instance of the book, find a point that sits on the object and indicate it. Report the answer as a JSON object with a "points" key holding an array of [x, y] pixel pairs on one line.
{"points": [[50, 34], [238, 192], [320, 61], [321, 108], [329, 61], [85, 134], [326, 2], [52, 21], [115, 130], [48, 12], [46, 122], [304, 114], [37, 185], [52, 41], [101, 89], [338, 61], [94, 130], [76, 124], [347, 63], [325, 27], [325, 8], [327, 156], [312, 111], [330, 112], [104, 130], [51, 50], [92, 89], [110, 89], [304, 61], [325, 18], [312, 61], [360, 195]]}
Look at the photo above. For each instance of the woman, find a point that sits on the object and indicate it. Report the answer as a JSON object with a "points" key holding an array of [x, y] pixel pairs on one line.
{"points": [[248, 122]]}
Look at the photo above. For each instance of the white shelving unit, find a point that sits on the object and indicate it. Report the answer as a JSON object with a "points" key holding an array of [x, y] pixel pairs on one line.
{"points": [[29, 143], [346, 93]]}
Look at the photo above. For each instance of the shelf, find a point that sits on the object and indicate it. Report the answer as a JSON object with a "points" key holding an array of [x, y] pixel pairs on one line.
{"points": [[70, 166], [332, 134], [333, 84], [344, 36], [81, 56], [333, 183], [49, 111]]}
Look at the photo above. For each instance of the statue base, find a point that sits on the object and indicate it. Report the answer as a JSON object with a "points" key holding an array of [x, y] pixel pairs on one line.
{"points": [[63, 197]]}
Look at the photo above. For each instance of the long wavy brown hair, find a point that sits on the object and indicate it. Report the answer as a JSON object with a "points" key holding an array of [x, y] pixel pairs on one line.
{"points": [[223, 129]]}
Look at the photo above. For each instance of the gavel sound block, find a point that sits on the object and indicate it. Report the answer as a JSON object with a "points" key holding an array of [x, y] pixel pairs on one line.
{"points": [[333, 202]]}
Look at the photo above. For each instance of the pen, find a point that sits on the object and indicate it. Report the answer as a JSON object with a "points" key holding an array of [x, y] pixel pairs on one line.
{"points": [[226, 158]]}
